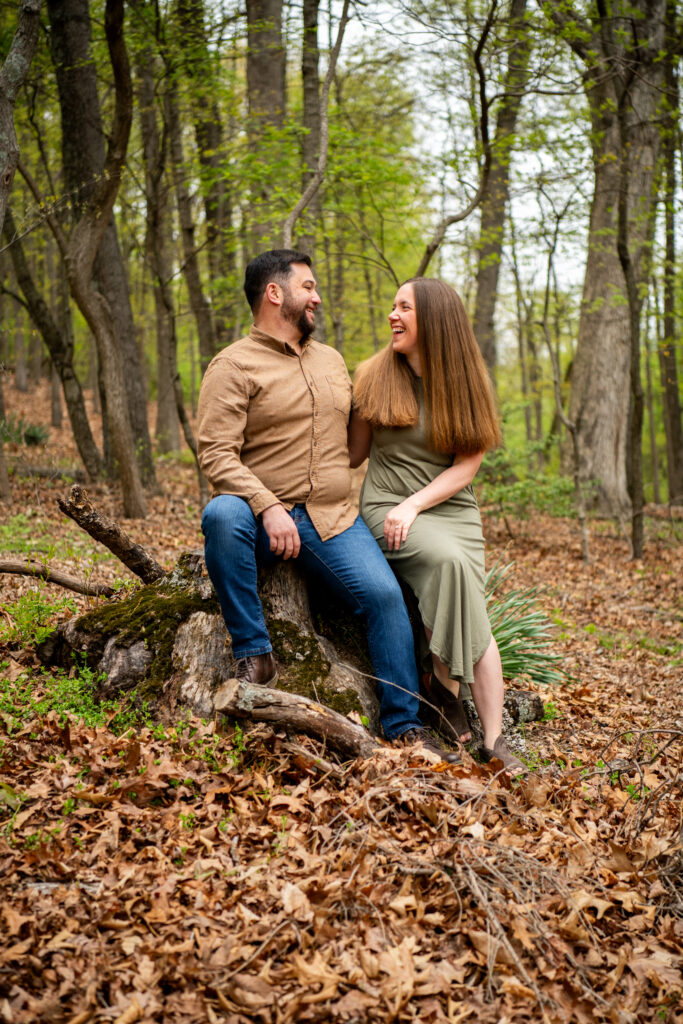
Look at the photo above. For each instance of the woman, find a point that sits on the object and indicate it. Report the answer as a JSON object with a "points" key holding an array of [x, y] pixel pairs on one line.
{"points": [[424, 412]]}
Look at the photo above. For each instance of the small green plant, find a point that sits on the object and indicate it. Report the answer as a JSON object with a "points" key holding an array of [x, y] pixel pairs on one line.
{"points": [[17, 430], [188, 821], [238, 747], [522, 631], [29, 619], [550, 711]]}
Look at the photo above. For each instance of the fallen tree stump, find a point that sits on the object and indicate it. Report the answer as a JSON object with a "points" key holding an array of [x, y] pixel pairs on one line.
{"points": [[168, 641]]}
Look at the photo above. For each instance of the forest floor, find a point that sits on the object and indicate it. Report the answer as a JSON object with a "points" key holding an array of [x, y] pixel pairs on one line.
{"points": [[201, 872]]}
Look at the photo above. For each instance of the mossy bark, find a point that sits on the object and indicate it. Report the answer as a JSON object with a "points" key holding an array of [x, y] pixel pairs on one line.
{"points": [[168, 641]]}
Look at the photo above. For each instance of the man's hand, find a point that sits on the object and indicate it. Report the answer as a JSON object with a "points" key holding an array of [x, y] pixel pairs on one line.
{"points": [[284, 536]]}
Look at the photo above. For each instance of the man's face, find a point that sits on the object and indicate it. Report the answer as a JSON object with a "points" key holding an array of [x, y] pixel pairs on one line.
{"points": [[300, 299]]}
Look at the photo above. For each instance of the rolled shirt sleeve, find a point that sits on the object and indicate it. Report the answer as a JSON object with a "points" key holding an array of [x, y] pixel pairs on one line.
{"points": [[222, 419]]}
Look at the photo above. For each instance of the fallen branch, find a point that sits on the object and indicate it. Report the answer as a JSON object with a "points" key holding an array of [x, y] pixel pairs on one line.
{"points": [[262, 704], [104, 530], [21, 468], [43, 572]]}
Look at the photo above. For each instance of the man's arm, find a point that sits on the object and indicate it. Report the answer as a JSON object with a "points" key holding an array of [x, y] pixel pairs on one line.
{"points": [[222, 417]]}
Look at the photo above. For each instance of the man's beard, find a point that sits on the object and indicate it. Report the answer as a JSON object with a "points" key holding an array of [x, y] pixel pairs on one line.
{"points": [[297, 317]]}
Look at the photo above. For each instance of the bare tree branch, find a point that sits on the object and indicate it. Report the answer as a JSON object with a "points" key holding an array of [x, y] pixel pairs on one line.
{"points": [[484, 104], [43, 572]]}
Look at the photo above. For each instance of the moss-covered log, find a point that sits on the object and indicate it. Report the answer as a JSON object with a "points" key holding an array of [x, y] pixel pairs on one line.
{"points": [[168, 641]]}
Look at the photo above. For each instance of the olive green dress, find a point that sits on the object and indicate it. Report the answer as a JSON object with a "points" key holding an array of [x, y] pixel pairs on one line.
{"points": [[442, 559]]}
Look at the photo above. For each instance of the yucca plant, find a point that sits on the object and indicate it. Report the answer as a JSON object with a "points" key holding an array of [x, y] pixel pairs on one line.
{"points": [[522, 631]]}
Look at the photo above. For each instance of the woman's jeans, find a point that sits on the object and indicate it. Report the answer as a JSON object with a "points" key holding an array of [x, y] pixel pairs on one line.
{"points": [[350, 565]]}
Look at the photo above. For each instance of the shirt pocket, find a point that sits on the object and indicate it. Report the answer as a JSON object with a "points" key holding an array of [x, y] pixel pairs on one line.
{"points": [[341, 394]]}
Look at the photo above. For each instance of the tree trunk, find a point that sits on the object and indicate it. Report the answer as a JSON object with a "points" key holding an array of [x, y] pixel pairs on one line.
{"points": [[60, 347], [601, 375], [83, 152], [310, 142], [12, 75], [198, 302], [5, 489], [649, 401], [673, 423], [266, 100], [495, 198], [200, 70], [156, 204], [20, 361]]}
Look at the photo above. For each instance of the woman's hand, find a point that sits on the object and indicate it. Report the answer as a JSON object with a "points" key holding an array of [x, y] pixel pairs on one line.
{"points": [[397, 523]]}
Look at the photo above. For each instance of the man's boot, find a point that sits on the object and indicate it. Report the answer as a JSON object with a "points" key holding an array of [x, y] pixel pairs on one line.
{"points": [[259, 668]]}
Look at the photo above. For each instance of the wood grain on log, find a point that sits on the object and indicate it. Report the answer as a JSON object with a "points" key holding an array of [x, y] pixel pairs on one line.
{"points": [[262, 704], [103, 529], [55, 576]]}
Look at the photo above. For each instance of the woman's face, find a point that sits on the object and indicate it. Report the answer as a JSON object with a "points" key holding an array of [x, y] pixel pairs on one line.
{"points": [[403, 323]]}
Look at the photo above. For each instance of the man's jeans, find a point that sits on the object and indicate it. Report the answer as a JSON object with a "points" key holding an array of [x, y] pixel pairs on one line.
{"points": [[351, 565]]}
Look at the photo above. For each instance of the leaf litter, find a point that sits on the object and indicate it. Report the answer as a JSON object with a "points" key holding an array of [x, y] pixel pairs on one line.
{"points": [[198, 873]]}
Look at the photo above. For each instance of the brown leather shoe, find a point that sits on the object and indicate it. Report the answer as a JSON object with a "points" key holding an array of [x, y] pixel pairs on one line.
{"points": [[424, 738], [259, 668], [512, 765]]}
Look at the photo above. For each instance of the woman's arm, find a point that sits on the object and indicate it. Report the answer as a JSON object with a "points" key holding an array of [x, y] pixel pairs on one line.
{"points": [[399, 520], [360, 439]]}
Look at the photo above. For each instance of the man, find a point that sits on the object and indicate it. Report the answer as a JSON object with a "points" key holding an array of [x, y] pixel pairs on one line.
{"points": [[273, 415]]}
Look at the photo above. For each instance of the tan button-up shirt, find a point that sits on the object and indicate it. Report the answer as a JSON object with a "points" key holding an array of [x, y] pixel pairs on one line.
{"points": [[272, 428]]}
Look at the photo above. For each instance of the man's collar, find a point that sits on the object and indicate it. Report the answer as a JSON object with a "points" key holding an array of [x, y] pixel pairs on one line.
{"points": [[268, 339]]}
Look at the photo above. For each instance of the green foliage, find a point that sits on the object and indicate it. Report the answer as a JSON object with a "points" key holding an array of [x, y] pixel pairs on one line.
{"points": [[17, 430], [522, 631], [32, 695], [513, 487], [29, 619]]}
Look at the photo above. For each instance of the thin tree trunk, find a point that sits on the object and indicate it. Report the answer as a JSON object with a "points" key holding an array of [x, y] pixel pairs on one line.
{"points": [[167, 427], [266, 98], [651, 411], [198, 303], [94, 253], [495, 198], [629, 39], [668, 369], [5, 489], [60, 346], [12, 75], [71, 39], [199, 68], [20, 363]]}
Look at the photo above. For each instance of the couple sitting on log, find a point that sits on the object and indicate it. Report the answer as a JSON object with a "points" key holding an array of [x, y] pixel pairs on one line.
{"points": [[277, 438]]}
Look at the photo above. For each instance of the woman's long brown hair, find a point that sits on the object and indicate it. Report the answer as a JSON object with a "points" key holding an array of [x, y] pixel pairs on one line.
{"points": [[460, 410]]}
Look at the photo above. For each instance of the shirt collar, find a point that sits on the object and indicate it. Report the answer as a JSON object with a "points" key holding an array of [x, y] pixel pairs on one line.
{"points": [[256, 334]]}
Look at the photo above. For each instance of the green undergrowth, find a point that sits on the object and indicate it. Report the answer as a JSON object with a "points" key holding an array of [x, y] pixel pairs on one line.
{"points": [[71, 694], [522, 630], [30, 619], [621, 643], [26, 533]]}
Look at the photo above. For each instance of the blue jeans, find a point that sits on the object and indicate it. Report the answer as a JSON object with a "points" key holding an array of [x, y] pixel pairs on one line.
{"points": [[351, 565]]}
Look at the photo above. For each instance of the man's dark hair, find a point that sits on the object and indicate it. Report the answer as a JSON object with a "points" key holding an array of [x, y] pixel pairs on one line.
{"points": [[273, 265]]}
